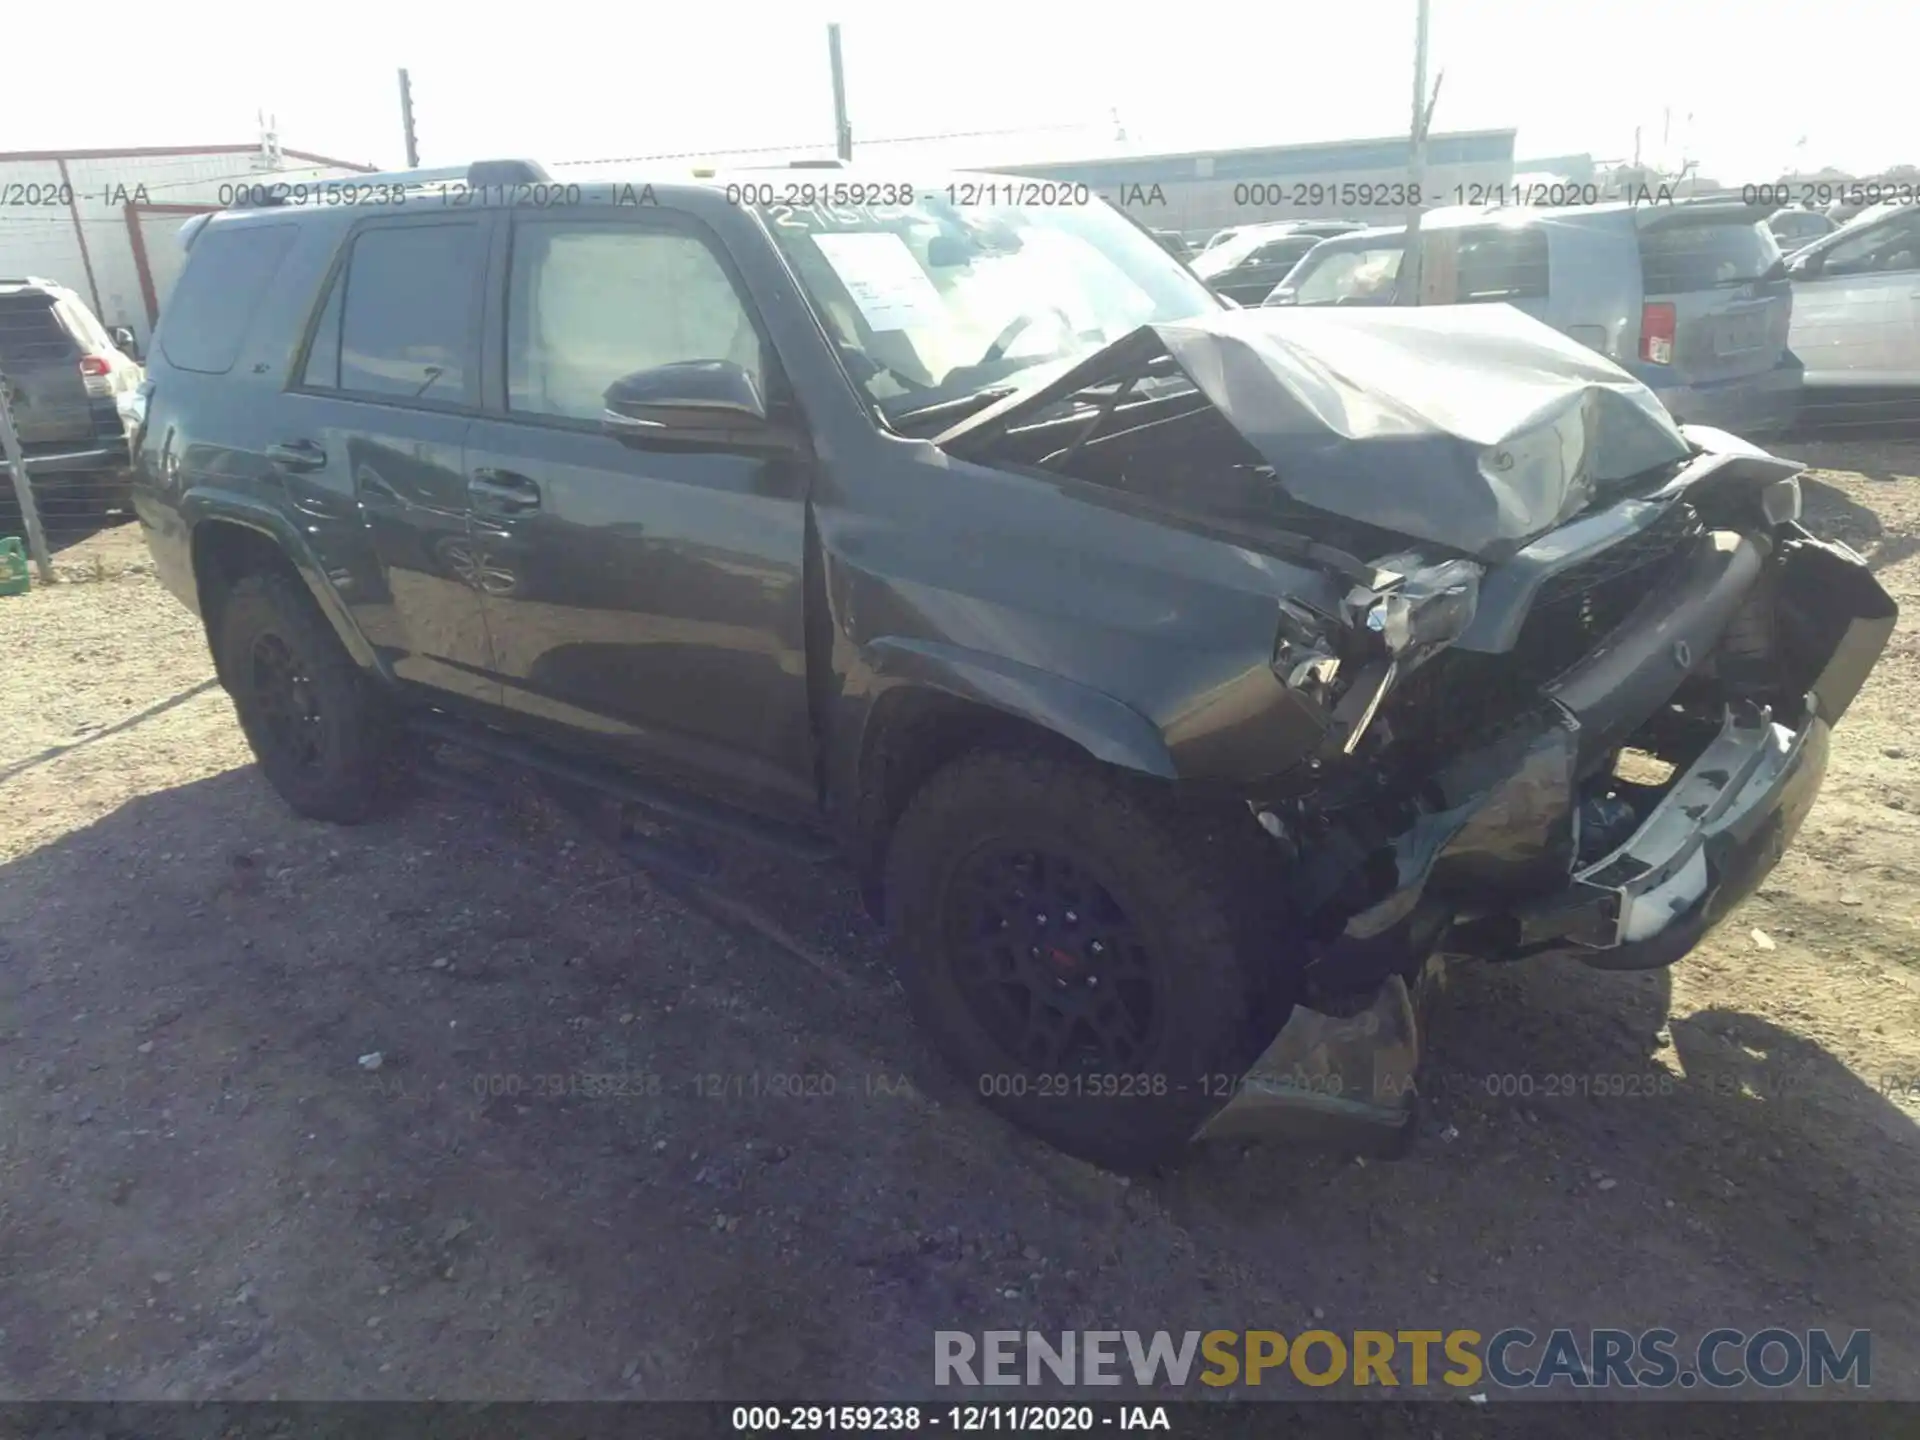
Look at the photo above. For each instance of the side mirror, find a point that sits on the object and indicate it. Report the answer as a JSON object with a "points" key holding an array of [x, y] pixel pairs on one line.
{"points": [[1281, 296], [709, 403], [124, 341], [1802, 267]]}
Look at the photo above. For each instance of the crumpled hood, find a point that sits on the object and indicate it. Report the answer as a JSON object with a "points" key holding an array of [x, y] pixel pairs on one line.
{"points": [[1473, 426]]}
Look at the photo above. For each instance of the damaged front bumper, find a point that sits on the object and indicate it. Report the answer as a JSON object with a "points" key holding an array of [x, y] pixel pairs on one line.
{"points": [[1503, 860], [1704, 848]]}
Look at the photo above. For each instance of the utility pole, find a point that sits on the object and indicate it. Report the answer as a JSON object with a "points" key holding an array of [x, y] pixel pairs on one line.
{"points": [[1408, 283], [842, 128], [22, 487], [406, 121]]}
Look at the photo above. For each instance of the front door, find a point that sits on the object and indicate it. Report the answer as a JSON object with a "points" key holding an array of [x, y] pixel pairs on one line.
{"points": [[648, 597]]}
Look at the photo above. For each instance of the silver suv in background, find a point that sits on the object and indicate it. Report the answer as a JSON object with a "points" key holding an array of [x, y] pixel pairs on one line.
{"points": [[65, 377], [1691, 297], [1856, 314]]}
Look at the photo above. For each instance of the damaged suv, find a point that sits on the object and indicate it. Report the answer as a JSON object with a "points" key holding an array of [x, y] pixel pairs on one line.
{"points": [[1174, 675]]}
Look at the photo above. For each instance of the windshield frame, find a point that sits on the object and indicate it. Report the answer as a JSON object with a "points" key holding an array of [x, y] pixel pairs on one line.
{"points": [[1149, 261]]}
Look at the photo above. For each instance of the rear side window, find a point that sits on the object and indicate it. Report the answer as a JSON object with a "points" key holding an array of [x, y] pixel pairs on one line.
{"points": [[31, 333], [408, 318], [228, 271], [1706, 254], [1496, 263], [84, 328]]}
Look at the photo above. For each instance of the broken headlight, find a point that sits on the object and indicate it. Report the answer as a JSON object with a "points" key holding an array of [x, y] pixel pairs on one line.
{"points": [[1430, 608]]}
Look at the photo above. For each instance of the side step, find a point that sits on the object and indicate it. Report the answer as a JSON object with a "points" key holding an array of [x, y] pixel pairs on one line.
{"points": [[669, 806]]}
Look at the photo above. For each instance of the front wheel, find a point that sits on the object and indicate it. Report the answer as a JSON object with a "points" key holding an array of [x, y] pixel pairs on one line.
{"points": [[320, 731], [1077, 953]]}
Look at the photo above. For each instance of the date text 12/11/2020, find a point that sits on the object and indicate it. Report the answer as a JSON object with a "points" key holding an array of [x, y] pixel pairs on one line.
{"points": [[959, 1419]]}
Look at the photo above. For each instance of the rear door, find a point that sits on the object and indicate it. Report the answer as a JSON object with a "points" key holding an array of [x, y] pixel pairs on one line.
{"points": [[1856, 312], [1718, 268], [40, 363], [370, 440]]}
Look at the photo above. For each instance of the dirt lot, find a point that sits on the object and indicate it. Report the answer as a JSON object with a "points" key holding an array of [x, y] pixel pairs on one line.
{"points": [[203, 1193]]}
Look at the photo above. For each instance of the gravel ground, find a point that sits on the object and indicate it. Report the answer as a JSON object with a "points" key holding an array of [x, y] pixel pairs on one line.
{"points": [[567, 1178]]}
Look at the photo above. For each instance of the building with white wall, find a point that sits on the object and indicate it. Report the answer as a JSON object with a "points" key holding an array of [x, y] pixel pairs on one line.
{"points": [[105, 222]]}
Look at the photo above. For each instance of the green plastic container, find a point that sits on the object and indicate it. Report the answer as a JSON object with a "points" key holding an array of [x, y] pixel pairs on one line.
{"points": [[14, 578]]}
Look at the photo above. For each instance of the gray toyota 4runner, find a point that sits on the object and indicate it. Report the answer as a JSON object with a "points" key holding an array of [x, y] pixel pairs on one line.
{"points": [[1175, 676]]}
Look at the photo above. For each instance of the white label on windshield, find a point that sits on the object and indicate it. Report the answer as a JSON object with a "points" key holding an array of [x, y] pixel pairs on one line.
{"points": [[886, 282]]}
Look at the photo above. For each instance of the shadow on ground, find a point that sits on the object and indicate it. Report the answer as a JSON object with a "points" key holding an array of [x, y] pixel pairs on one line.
{"points": [[610, 1147]]}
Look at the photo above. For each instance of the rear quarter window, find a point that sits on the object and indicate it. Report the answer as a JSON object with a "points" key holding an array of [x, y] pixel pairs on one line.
{"points": [[212, 306], [1484, 265], [1679, 258]]}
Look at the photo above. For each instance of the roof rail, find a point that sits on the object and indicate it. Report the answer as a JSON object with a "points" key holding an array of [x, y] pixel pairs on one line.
{"points": [[478, 174], [816, 164], [27, 280]]}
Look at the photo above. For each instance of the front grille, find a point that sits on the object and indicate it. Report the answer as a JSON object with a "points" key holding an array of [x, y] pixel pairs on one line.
{"points": [[1460, 698]]}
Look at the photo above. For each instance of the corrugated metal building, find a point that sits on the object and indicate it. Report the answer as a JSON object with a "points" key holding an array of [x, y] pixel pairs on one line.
{"points": [[1199, 192], [104, 222]]}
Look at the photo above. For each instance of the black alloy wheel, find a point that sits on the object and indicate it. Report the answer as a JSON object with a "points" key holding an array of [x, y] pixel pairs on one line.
{"points": [[1050, 964]]}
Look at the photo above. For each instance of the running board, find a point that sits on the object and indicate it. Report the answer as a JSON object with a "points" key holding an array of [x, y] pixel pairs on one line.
{"points": [[660, 803]]}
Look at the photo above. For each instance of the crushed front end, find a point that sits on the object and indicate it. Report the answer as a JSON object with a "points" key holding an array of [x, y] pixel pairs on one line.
{"points": [[1575, 698], [1616, 748], [1612, 754]]}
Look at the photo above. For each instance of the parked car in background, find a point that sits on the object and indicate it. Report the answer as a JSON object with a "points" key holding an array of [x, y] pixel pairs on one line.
{"points": [[1794, 227], [1248, 266], [1856, 314], [66, 377], [1161, 668], [1692, 297]]}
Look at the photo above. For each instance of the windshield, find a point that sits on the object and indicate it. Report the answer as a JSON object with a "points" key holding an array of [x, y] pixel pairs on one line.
{"points": [[940, 299], [1327, 276]]}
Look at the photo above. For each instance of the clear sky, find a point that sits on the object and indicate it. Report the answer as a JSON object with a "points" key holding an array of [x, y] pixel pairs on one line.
{"points": [[564, 80]]}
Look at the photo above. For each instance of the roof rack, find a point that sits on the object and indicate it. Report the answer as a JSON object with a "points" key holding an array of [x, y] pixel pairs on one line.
{"points": [[479, 174], [28, 280]]}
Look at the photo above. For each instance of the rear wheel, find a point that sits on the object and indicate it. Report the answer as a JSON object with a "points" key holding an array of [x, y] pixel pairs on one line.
{"points": [[1079, 957], [322, 734]]}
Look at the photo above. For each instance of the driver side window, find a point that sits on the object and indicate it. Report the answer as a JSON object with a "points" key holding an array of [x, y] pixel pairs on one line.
{"points": [[1889, 247], [588, 303]]}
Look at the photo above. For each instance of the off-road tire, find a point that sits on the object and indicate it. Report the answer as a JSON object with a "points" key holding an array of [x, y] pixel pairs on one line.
{"points": [[1178, 889], [349, 777]]}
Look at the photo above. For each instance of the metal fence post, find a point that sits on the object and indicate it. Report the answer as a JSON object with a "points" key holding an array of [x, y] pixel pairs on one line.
{"points": [[22, 487]]}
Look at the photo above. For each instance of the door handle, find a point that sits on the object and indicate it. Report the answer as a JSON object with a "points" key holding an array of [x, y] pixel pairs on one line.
{"points": [[503, 491], [298, 456]]}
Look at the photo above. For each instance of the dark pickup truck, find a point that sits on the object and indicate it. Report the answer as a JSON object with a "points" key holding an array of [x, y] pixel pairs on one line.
{"points": [[1169, 672]]}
